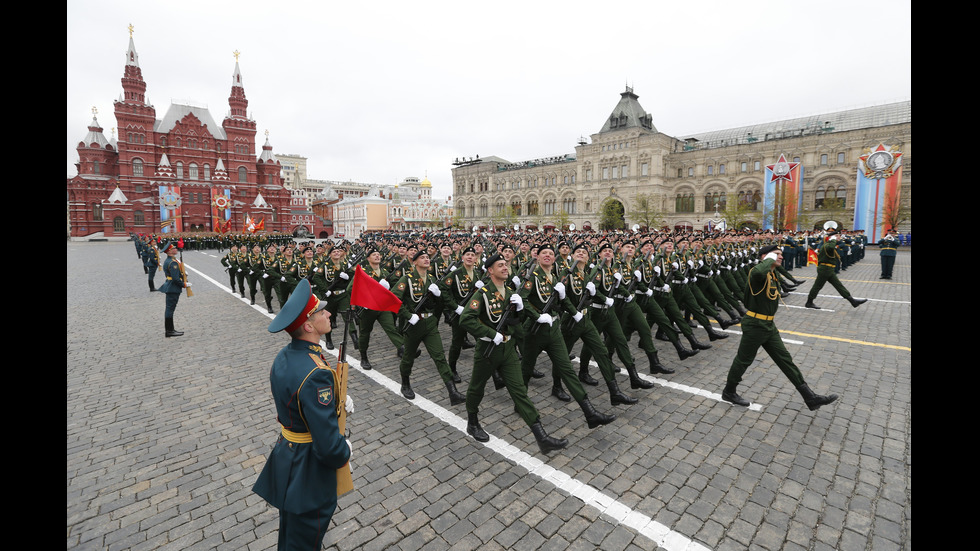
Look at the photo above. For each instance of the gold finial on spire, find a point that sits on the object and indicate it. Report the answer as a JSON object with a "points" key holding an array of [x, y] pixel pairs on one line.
{"points": [[95, 111], [130, 30], [267, 134], [236, 53]]}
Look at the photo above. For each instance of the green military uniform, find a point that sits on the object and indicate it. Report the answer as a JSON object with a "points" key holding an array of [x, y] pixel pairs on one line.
{"points": [[828, 258]]}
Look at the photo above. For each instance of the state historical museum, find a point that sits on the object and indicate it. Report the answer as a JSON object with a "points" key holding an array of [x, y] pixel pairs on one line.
{"points": [[180, 173]]}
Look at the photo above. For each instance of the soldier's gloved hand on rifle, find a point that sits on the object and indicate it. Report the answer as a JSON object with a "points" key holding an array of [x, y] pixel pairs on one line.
{"points": [[578, 317], [459, 310], [414, 319], [516, 299], [590, 287], [560, 289], [434, 289], [384, 283], [498, 338], [546, 318]]}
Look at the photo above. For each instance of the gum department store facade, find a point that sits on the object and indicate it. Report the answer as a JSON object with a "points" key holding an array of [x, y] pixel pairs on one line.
{"points": [[687, 179]]}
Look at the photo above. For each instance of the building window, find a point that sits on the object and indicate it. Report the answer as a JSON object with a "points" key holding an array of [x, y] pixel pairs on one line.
{"points": [[138, 218], [568, 205], [757, 164], [615, 172], [690, 171], [242, 174], [823, 159], [840, 158], [192, 171], [118, 225], [95, 167], [626, 171], [745, 167], [721, 169], [711, 170], [645, 169], [180, 169], [796, 159], [138, 188], [96, 212], [137, 167], [605, 173], [588, 175], [207, 173], [684, 202]]}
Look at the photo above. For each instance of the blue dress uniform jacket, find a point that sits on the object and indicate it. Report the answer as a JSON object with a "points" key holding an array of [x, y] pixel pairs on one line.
{"points": [[301, 473]]}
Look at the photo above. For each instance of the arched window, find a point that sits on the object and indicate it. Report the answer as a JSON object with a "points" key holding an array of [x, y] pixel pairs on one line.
{"points": [[192, 171], [95, 167], [137, 167], [242, 174], [207, 172], [819, 198], [180, 169]]}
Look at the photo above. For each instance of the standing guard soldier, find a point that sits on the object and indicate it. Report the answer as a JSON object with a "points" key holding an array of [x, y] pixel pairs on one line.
{"points": [[174, 285], [151, 261]]}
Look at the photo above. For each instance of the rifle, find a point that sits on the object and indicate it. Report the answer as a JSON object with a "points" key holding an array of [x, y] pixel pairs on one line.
{"points": [[548, 306], [586, 297], [345, 483], [183, 274], [451, 316], [504, 322], [403, 323]]}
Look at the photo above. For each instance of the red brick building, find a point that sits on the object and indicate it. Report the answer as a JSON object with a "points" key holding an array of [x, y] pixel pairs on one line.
{"points": [[182, 172]]}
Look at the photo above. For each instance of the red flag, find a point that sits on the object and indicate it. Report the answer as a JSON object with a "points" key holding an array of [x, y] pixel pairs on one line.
{"points": [[260, 225], [180, 243], [811, 256], [372, 295]]}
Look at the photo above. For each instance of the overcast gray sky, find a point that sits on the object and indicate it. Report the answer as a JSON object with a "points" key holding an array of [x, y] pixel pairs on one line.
{"points": [[377, 91]]}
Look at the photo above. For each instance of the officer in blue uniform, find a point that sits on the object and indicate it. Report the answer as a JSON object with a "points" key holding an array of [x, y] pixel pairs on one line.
{"points": [[300, 476], [174, 285]]}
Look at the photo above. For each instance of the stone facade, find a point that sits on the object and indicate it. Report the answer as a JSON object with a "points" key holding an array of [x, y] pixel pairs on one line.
{"points": [[684, 181]]}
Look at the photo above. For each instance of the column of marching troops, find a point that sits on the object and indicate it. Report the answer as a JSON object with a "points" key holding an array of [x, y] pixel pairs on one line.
{"points": [[520, 294]]}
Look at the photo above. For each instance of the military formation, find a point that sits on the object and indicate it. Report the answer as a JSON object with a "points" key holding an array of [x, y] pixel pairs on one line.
{"points": [[512, 296]]}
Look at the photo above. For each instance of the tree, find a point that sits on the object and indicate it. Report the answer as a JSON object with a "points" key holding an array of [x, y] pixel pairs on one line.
{"points": [[562, 219], [611, 215], [894, 212], [739, 214], [646, 211], [508, 217], [457, 220], [834, 209]]}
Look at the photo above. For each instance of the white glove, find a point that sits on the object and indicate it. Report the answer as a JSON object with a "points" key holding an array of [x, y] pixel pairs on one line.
{"points": [[478, 283], [414, 319], [516, 280], [239, 270], [610, 301], [690, 263], [666, 288], [700, 263], [675, 265], [711, 273], [384, 283], [349, 405], [188, 284], [656, 270], [578, 317], [649, 292], [327, 294], [629, 299], [638, 274], [771, 256], [498, 338], [694, 279], [560, 289], [316, 270], [618, 276], [516, 299], [590, 287], [434, 289], [250, 272], [459, 310], [686, 280], [283, 278], [264, 276], [546, 318], [344, 276]]}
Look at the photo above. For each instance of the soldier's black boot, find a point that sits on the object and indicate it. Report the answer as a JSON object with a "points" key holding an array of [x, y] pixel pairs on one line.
{"points": [[456, 378], [696, 344], [168, 324], [714, 335], [268, 304], [593, 417], [407, 388], [735, 317], [683, 353], [252, 296], [635, 380], [547, 443], [146, 270], [583, 375], [498, 381], [616, 396], [855, 302], [814, 401], [725, 324], [152, 286], [740, 309], [690, 320], [474, 429], [657, 367], [730, 394], [467, 344], [365, 363], [558, 392], [660, 336], [329, 341], [537, 374], [810, 304], [455, 398]]}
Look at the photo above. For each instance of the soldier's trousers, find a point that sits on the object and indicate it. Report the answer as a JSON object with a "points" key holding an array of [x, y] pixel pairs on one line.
{"points": [[758, 333], [504, 359], [826, 274], [548, 339], [387, 322], [426, 332]]}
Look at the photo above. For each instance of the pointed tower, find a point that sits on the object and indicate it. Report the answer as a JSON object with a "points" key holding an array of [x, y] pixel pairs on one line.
{"points": [[270, 182], [96, 155], [134, 119], [241, 133]]}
